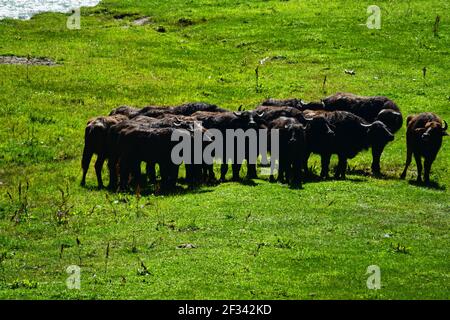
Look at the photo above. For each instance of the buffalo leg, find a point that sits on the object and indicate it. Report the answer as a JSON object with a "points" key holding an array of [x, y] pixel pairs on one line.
{"points": [[98, 170], [236, 167], [282, 170], [341, 168], [124, 173], [189, 173], [173, 175], [296, 174], [427, 164], [169, 175], [151, 172], [376, 156], [251, 171], [165, 175], [112, 167], [325, 160], [87, 156], [419, 167], [209, 173], [223, 171], [408, 162], [193, 174], [136, 174]]}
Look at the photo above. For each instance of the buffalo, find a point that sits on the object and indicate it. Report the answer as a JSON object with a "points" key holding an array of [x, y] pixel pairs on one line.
{"points": [[293, 103], [352, 135], [423, 139], [186, 109], [192, 107], [292, 150], [369, 108], [127, 111], [95, 142]]}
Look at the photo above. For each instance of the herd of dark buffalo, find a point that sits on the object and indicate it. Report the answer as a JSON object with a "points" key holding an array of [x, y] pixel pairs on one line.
{"points": [[343, 124]]}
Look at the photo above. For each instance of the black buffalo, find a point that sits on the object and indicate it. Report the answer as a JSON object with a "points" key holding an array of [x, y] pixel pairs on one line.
{"points": [[292, 149], [127, 111], [352, 135], [192, 107]]}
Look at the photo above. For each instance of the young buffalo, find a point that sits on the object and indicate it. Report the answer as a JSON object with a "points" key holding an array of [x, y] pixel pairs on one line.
{"points": [[423, 139]]}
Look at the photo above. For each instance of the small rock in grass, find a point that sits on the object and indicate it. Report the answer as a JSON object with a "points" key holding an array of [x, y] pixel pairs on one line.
{"points": [[186, 246], [350, 72]]}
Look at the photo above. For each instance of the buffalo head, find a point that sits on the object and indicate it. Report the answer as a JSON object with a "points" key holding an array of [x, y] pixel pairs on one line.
{"points": [[378, 133], [391, 118], [433, 130]]}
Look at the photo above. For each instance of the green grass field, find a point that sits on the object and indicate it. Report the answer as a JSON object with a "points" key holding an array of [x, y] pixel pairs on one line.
{"points": [[262, 241]]}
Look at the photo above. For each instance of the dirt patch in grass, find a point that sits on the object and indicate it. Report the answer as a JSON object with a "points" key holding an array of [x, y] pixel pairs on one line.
{"points": [[142, 21], [26, 60]]}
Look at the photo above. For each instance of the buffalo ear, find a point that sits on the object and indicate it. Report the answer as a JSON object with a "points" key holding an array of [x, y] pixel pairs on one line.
{"points": [[445, 134]]}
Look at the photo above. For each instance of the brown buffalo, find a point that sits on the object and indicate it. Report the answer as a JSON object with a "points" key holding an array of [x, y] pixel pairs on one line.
{"points": [[95, 138], [423, 139]]}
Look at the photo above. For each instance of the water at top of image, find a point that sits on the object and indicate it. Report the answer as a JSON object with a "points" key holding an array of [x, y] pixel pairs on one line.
{"points": [[25, 9]]}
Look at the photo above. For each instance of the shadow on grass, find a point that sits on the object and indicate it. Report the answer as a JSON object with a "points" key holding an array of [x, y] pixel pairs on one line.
{"points": [[314, 178], [248, 182], [183, 188], [156, 190], [430, 185]]}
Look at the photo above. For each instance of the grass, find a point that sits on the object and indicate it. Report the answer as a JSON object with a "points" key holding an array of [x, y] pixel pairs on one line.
{"points": [[262, 241]]}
